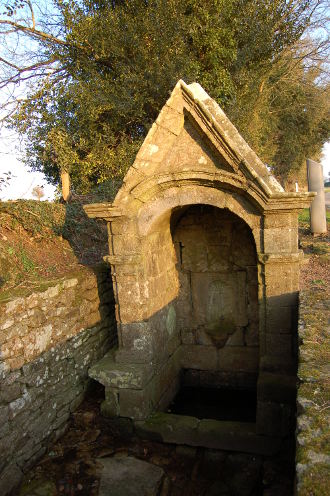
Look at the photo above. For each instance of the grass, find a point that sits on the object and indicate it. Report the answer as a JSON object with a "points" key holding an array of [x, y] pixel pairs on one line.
{"points": [[304, 215]]}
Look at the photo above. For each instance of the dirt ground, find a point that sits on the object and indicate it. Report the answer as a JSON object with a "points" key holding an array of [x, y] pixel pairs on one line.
{"points": [[42, 241]]}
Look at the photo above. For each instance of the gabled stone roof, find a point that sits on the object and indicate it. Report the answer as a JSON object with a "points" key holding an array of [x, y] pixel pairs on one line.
{"points": [[192, 111], [192, 142]]}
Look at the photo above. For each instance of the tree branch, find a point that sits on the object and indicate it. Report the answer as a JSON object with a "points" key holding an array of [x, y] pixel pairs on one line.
{"points": [[34, 32]]}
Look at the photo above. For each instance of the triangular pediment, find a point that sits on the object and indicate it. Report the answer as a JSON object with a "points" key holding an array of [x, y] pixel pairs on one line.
{"points": [[193, 150], [192, 133]]}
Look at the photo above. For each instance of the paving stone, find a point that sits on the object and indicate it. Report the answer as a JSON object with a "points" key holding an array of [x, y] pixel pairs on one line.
{"points": [[129, 476], [170, 428]]}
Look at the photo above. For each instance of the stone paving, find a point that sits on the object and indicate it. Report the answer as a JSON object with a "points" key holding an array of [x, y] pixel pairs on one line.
{"points": [[73, 466]]}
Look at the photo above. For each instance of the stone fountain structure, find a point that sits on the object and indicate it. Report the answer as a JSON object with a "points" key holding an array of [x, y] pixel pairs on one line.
{"points": [[204, 254]]}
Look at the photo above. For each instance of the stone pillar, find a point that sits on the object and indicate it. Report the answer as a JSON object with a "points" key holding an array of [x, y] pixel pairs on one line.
{"points": [[317, 208], [279, 275]]}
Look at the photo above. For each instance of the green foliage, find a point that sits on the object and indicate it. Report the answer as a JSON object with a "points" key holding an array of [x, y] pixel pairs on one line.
{"points": [[27, 263], [304, 215], [37, 218], [117, 61]]}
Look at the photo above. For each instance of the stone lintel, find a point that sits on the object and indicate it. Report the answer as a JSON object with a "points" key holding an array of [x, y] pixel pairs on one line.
{"points": [[288, 201], [102, 211]]}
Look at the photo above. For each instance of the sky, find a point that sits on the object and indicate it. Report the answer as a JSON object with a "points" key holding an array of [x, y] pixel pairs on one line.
{"points": [[24, 179]]}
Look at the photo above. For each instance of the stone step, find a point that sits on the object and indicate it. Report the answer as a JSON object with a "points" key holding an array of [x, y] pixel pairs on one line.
{"points": [[207, 433]]}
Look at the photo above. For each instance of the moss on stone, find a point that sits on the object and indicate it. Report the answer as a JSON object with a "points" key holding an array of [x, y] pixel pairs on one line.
{"points": [[313, 438], [315, 481]]}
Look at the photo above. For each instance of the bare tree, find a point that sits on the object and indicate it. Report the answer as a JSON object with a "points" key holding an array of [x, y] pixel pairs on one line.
{"points": [[29, 31]]}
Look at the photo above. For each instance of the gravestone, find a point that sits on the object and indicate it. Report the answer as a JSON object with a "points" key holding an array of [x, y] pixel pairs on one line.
{"points": [[317, 209]]}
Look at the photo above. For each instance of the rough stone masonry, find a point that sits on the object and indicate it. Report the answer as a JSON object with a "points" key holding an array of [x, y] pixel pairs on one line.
{"points": [[48, 341], [205, 268]]}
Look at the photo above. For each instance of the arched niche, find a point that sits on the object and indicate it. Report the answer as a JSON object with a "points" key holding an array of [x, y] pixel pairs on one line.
{"points": [[217, 304]]}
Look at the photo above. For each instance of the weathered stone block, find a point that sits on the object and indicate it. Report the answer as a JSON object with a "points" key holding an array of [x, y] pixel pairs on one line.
{"points": [[126, 242], [251, 334], [279, 344], [10, 393], [169, 428], [166, 374], [199, 357], [10, 478], [112, 401], [281, 319], [15, 363], [169, 394], [136, 335], [274, 419], [183, 430], [4, 414], [171, 120], [238, 358], [113, 374], [188, 336], [236, 339], [136, 404], [277, 388], [130, 477]]}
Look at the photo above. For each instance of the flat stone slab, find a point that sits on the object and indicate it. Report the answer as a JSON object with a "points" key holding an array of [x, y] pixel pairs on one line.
{"points": [[169, 428], [206, 433], [129, 476], [113, 374]]}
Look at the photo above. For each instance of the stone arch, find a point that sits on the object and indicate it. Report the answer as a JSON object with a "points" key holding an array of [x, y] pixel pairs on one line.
{"points": [[155, 213]]}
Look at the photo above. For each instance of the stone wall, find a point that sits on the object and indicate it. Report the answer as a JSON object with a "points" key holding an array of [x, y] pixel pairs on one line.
{"points": [[313, 419], [217, 307], [48, 341]]}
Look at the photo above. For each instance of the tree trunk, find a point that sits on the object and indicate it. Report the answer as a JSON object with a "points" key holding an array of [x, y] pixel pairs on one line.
{"points": [[65, 180]]}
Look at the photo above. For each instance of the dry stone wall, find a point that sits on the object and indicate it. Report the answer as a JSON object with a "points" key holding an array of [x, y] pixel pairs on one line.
{"points": [[313, 418], [48, 341]]}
